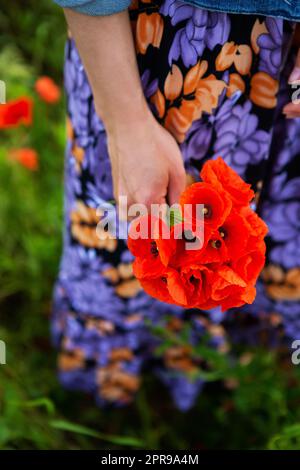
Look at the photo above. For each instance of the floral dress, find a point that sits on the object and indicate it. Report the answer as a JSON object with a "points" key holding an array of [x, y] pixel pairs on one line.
{"points": [[218, 83]]}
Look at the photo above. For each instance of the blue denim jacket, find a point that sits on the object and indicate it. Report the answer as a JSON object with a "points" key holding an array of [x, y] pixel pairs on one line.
{"points": [[288, 9]]}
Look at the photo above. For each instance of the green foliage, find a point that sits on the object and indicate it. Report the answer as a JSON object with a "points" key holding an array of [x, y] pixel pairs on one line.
{"points": [[78, 429], [288, 439], [250, 402], [38, 30]]}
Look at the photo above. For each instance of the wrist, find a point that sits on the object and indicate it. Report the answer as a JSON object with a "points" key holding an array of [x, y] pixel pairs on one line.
{"points": [[126, 116]]}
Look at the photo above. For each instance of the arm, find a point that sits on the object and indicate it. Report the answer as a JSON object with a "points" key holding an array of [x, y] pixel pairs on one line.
{"points": [[146, 162], [106, 47]]}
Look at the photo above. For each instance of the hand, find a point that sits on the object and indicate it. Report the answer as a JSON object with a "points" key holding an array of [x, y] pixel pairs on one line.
{"points": [[292, 109], [147, 165]]}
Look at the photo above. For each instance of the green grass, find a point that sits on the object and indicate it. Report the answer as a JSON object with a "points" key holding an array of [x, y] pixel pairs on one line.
{"points": [[255, 406]]}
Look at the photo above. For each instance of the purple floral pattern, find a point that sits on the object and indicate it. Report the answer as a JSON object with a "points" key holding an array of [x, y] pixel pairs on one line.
{"points": [[202, 29]]}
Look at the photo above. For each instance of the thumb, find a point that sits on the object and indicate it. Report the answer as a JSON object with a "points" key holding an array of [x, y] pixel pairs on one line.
{"points": [[295, 74]]}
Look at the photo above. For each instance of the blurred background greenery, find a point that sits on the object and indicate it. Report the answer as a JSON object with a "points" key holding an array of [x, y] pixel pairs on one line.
{"points": [[255, 407]]}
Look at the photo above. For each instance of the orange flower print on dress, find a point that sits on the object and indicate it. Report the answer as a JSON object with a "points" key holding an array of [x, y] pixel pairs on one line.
{"points": [[70, 360], [159, 103], [264, 89], [78, 153], [179, 120], [195, 94], [259, 28], [283, 285], [193, 76], [173, 83], [207, 94], [85, 228], [235, 83], [149, 30], [69, 130], [239, 55]]}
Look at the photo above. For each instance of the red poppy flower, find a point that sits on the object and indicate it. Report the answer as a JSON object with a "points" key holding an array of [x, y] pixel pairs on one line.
{"points": [[202, 248], [224, 179], [197, 282], [215, 250], [27, 157], [17, 112], [205, 197], [204, 265], [189, 242], [230, 290], [256, 226], [235, 233], [47, 89], [167, 287], [157, 288], [250, 264], [149, 241], [240, 297]]}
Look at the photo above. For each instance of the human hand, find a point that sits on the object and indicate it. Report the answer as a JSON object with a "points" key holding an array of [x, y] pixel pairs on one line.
{"points": [[292, 109], [147, 165]]}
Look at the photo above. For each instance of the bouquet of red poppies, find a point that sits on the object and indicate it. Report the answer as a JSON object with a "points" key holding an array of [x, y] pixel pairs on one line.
{"points": [[202, 259]]}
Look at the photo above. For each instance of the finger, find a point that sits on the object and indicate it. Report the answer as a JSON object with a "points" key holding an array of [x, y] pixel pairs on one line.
{"points": [[295, 74], [163, 211], [177, 184], [123, 202], [292, 116], [292, 108], [122, 210]]}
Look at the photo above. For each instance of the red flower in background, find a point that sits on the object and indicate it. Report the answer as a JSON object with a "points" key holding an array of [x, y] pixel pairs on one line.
{"points": [[47, 90], [15, 113], [221, 271], [27, 157]]}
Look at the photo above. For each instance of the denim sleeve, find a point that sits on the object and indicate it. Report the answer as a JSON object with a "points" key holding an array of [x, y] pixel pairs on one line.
{"points": [[95, 7]]}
